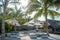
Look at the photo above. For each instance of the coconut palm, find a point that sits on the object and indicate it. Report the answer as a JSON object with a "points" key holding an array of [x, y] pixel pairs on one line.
{"points": [[3, 19], [15, 2], [48, 3], [42, 8], [13, 14], [4, 5]]}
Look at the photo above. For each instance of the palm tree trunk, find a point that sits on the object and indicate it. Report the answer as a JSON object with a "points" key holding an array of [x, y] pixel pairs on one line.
{"points": [[15, 27], [46, 20], [3, 29], [3, 20], [46, 25]]}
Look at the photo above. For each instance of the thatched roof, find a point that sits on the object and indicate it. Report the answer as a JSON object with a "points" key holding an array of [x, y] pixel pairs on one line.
{"points": [[12, 22]]}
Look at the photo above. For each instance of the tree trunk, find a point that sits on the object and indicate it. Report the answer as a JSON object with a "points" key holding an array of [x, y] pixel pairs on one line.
{"points": [[3, 29], [15, 28], [46, 23], [3, 19]]}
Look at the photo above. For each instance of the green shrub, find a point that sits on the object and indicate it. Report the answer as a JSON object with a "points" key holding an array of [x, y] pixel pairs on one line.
{"points": [[7, 27], [19, 29], [44, 29]]}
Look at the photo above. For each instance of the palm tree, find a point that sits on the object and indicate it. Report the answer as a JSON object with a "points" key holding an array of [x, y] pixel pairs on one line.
{"points": [[4, 4], [48, 3], [15, 12], [42, 7], [3, 19], [11, 14]]}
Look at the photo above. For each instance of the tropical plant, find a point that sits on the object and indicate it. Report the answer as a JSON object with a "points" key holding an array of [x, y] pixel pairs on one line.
{"points": [[13, 14], [7, 27], [42, 8], [4, 5]]}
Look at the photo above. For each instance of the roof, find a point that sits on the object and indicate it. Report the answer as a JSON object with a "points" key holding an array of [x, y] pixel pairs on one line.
{"points": [[32, 23], [53, 23], [13, 22]]}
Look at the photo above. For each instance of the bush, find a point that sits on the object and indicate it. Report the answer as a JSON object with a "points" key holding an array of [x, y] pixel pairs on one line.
{"points": [[7, 27], [44, 29], [19, 29]]}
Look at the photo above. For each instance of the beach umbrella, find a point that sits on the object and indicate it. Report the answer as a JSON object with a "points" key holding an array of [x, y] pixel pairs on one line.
{"points": [[13, 22]]}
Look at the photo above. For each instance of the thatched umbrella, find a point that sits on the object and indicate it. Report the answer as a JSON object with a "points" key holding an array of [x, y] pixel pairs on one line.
{"points": [[13, 23]]}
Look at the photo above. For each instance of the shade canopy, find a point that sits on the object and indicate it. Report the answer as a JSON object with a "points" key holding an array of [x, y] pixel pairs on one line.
{"points": [[13, 22], [32, 23]]}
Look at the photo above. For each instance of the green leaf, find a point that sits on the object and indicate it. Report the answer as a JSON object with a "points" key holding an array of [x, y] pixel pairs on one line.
{"points": [[38, 14], [53, 13], [33, 6]]}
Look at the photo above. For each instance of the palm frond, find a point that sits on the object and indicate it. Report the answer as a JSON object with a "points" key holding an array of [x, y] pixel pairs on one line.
{"points": [[51, 14], [47, 1], [38, 14], [54, 12], [56, 4], [33, 6]]}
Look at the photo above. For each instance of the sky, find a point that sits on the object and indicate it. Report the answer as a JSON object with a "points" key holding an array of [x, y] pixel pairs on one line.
{"points": [[24, 3]]}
